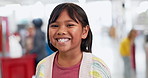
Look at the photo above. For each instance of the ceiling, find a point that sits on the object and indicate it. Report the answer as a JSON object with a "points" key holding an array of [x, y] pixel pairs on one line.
{"points": [[29, 2]]}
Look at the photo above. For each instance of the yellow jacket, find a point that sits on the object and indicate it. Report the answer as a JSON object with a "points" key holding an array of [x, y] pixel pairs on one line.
{"points": [[125, 47]]}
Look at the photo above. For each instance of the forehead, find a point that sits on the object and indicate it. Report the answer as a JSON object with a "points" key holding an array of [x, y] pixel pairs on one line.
{"points": [[64, 17], [64, 13]]}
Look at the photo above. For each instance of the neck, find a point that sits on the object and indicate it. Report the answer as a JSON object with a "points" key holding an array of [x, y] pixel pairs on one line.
{"points": [[67, 59]]}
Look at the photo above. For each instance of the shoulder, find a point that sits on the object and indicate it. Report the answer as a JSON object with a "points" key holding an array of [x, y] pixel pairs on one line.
{"points": [[45, 62], [99, 68], [44, 66], [125, 40], [46, 59], [94, 58]]}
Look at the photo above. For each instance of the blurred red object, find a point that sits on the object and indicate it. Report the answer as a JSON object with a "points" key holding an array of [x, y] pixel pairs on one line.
{"points": [[1, 37], [23, 67], [4, 35]]}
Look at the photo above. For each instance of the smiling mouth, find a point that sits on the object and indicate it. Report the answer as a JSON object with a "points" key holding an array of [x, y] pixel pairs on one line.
{"points": [[63, 39]]}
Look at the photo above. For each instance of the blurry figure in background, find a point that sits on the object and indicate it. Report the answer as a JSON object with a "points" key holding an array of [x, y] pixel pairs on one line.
{"points": [[112, 32], [29, 39], [127, 50], [21, 29], [133, 35], [39, 42]]}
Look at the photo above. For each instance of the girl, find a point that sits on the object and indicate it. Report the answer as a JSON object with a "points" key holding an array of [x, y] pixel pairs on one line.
{"points": [[69, 35]]}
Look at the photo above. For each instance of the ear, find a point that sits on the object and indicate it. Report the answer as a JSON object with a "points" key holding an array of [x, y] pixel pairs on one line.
{"points": [[85, 32]]}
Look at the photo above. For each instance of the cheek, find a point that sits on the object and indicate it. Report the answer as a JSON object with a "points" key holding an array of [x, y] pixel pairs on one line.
{"points": [[51, 34], [77, 34]]}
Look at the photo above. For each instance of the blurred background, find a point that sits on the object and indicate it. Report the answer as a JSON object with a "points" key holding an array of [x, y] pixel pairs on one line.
{"points": [[110, 21]]}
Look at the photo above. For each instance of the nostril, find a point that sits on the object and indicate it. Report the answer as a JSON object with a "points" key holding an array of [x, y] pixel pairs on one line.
{"points": [[61, 33]]}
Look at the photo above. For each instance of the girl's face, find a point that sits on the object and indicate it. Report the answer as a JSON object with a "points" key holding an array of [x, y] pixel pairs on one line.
{"points": [[65, 34]]}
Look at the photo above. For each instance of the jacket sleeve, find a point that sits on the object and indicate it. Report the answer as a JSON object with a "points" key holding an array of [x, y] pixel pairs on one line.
{"points": [[40, 70], [99, 69]]}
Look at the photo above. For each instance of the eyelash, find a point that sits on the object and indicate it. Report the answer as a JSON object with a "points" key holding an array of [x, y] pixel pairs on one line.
{"points": [[54, 26], [68, 25]]}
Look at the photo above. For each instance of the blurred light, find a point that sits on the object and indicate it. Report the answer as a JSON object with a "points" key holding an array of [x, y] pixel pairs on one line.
{"points": [[38, 3], [13, 5], [143, 6], [82, 1], [8, 9], [38, 10]]}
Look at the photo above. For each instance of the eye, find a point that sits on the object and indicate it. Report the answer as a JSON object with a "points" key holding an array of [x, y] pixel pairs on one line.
{"points": [[54, 26], [70, 25]]}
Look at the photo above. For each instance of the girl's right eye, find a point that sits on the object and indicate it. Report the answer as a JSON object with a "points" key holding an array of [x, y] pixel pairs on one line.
{"points": [[54, 26]]}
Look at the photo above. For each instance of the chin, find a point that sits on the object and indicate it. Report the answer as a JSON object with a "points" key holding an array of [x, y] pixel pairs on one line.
{"points": [[62, 50]]}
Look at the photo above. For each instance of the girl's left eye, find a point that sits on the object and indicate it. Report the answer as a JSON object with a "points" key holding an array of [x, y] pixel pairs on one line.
{"points": [[70, 25], [53, 26]]}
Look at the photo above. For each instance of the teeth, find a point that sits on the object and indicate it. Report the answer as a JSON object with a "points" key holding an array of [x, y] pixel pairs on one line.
{"points": [[62, 40]]}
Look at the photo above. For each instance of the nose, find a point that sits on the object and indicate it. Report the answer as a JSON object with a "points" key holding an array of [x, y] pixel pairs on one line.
{"points": [[62, 30]]}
